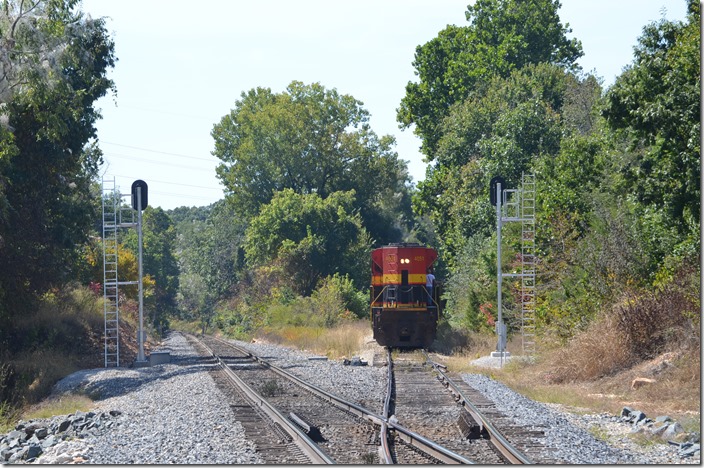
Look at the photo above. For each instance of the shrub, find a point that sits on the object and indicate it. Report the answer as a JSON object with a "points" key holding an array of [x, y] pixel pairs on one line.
{"points": [[669, 317], [335, 295], [60, 335]]}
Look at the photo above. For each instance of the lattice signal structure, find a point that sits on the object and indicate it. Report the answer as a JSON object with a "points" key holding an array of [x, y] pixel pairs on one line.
{"points": [[111, 309], [528, 263], [113, 219]]}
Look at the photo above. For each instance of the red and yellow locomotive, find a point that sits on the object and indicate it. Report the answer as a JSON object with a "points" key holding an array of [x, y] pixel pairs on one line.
{"points": [[404, 309]]}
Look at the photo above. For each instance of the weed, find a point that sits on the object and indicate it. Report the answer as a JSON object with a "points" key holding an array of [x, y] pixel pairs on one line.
{"points": [[270, 388], [8, 416], [63, 405], [343, 340], [599, 433], [642, 439]]}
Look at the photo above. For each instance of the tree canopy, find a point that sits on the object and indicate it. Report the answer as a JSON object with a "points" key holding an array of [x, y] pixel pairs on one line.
{"points": [[503, 36], [313, 141], [54, 64], [309, 237], [656, 102]]}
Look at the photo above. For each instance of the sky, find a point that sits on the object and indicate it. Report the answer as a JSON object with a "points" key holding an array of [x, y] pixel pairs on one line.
{"points": [[182, 66]]}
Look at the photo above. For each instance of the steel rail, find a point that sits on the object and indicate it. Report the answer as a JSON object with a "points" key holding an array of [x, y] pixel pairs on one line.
{"points": [[316, 454], [505, 448], [329, 397], [426, 445], [385, 449]]}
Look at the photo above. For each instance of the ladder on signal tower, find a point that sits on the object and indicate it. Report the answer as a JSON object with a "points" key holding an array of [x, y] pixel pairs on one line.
{"points": [[111, 309], [528, 263]]}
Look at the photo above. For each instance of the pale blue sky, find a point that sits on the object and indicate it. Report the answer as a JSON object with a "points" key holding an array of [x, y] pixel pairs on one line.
{"points": [[182, 65]]}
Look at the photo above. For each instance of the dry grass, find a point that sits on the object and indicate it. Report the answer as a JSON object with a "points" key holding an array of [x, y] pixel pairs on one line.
{"points": [[600, 351], [344, 340], [595, 372]]}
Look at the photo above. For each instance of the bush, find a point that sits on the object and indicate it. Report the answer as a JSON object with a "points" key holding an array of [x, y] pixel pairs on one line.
{"points": [[639, 327], [339, 292], [596, 352], [62, 334], [655, 321]]}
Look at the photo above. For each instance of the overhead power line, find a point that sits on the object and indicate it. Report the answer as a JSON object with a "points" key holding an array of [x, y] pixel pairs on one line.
{"points": [[161, 163], [171, 183], [181, 195], [212, 159]]}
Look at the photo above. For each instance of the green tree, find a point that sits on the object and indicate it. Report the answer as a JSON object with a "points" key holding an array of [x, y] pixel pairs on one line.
{"points": [[308, 238], [313, 141], [211, 257], [159, 261], [54, 65], [503, 36], [498, 131], [655, 103]]}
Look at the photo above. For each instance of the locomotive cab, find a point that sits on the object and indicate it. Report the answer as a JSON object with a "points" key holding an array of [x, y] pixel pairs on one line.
{"points": [[404, 310]]}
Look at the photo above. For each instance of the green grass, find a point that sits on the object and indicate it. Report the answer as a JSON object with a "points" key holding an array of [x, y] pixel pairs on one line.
{"points": [[56, 407]]}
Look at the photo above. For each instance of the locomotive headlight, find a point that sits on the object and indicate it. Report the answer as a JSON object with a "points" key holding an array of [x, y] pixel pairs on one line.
{"points": [[405, 260]]}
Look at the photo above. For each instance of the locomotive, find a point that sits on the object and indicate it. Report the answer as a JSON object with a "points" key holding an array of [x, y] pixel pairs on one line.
{"points": [[404, 311]]}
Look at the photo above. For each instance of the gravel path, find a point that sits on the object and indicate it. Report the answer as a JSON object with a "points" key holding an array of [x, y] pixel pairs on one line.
{"points": [[174, 413]]}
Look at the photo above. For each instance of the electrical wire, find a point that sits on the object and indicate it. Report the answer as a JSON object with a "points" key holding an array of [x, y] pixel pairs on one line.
{"points": [[212, 159], [171, 183], [161, 163]]}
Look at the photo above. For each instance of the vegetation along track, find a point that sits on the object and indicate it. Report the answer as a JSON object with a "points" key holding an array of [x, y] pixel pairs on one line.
{"points": [[458, 417]]}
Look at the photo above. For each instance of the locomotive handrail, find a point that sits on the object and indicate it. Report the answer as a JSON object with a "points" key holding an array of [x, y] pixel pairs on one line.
{"points": [[431, 298], [382, 292], [386, 286]]}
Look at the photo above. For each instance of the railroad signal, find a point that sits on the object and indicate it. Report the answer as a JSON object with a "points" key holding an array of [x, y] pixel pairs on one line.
{"points": [[492, 188], [142, 185]]}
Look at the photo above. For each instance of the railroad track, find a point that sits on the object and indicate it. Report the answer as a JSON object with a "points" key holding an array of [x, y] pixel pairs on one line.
{"points": [[277, 441], [292, 421], [450, 417]]}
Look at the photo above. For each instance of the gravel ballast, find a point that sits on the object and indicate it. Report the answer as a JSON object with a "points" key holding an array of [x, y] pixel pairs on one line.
{"points": [[174, 413]]}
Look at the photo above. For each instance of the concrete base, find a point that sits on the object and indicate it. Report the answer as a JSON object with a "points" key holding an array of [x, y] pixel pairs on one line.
{"points": [[140, 364], [159, 357], [499, 354]]}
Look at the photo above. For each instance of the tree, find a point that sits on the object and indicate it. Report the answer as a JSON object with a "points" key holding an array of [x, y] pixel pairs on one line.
{"points": [[211, 257], [313, 141], [159, 261], [503, 36], [308, 238], [54, 65], [498, 131], [655, 103]]}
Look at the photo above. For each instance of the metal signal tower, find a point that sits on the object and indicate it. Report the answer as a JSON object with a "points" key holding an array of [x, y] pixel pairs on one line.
{"points": [[528, 263], [518, 205], [112, 221]]}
